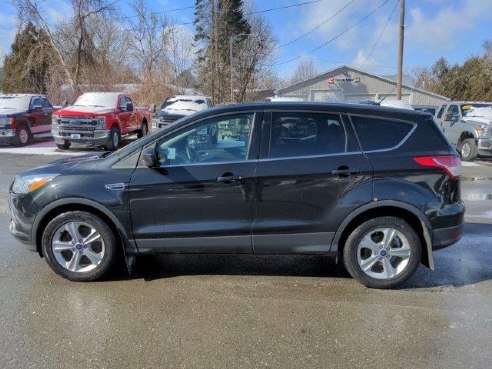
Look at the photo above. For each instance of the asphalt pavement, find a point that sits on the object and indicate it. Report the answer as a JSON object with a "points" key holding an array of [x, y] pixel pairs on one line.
{"points": [[249, 311]]}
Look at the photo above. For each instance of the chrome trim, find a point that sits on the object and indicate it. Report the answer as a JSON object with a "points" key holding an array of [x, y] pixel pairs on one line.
{"points": [[115, 186]]}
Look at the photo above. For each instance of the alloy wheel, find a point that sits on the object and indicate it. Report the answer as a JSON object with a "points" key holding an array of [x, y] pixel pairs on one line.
{"points": [[465, 150], [23, 136], [383, 253], [78, 247]]}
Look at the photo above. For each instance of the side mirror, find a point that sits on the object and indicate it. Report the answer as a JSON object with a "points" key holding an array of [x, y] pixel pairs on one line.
{"points": [[129, 106], [455, 118], [153, 108], [37, 108], [149, 157]]}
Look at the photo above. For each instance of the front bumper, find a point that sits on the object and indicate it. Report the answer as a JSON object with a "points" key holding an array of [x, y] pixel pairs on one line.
{"points": [[6, 135], [20, 225], [484, 146], [95, 138]]}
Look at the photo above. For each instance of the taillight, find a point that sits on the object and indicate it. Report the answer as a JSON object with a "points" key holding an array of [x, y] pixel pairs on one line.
{"points": [[450, 164]]}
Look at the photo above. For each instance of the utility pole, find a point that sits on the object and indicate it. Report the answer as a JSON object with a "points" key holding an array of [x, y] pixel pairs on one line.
{"points": [[399, 76]]}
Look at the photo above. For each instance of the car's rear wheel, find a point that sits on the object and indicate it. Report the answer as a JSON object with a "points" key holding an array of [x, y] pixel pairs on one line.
{"points": [[468, 149], [144, 131], [382, 252], [22, 135], [79, 246]]}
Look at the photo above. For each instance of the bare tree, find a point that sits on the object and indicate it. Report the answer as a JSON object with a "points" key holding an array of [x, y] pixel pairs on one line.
{"points": [[147, 33], [180, 56], [252, 57], [305, 70]]}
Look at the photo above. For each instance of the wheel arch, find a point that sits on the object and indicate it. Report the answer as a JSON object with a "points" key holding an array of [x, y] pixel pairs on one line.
{"points": [[398, 209], [464, 135], [71, 204]]}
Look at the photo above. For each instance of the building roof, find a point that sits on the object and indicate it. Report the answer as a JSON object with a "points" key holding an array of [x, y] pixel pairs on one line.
{"points": [[340, 68]]}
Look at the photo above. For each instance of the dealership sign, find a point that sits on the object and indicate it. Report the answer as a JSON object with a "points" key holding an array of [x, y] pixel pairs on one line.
{"points": [[333, 80]]}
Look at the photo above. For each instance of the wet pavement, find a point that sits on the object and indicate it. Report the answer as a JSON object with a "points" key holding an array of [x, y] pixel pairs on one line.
{"points": [[249, 312]]}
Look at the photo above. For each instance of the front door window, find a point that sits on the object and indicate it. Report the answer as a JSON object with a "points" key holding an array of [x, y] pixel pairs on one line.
{"points": [[216, 140]]}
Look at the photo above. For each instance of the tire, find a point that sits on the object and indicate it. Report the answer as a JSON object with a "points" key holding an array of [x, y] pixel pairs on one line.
{"points": [[64, 146], [468, 149], [114, 139], [144, 131], [93, 260], [22, 135], [366, 246]]}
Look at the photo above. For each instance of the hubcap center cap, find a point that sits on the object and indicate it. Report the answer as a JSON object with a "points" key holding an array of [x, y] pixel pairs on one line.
{"points": [[79, 246], [383, 252]]}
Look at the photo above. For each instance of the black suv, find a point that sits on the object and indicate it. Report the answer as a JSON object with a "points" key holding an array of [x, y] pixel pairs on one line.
{"points": [[375, 187]]}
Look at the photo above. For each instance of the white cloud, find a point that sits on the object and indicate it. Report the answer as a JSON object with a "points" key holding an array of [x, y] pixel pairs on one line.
{"points": [[442, 31]]}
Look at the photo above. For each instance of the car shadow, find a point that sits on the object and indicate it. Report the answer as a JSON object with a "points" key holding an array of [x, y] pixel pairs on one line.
{"points": [[463, 264], [167, 266]]}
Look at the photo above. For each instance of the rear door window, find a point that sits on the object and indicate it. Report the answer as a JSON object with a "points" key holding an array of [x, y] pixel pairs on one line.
{"points": [[306, 134], [380, 134]]}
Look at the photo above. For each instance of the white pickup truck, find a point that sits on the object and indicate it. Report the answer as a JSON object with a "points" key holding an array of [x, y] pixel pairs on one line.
{"points": [[468, 127]]}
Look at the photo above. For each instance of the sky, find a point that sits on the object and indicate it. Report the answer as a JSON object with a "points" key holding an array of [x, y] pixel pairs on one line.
{"points": [[360, 33]]}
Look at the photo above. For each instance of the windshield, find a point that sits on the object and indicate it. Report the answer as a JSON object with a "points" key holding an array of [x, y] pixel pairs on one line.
{"points": [[469, 110], [186, 105], [14, 102], [98, 100]]}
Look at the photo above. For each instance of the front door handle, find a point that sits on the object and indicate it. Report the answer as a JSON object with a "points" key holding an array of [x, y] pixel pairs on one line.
{"points": [[344, 171], [229, 178]]}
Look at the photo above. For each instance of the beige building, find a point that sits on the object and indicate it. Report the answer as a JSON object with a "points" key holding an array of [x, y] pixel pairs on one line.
{"points": [[349, 84]]}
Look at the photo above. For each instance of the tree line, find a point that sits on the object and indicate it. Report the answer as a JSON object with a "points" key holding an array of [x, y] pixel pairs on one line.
{"points": [[99, 48], [471, 80]]}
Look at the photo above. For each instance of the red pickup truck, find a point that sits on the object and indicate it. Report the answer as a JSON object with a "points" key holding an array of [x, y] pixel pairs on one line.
{"points": [[99, 119]]}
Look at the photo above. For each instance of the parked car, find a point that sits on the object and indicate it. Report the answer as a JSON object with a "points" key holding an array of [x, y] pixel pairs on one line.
{"points": [[467, 126], [24, 116], [99, 119], [177, 107], [431, 109], [376, 187]]}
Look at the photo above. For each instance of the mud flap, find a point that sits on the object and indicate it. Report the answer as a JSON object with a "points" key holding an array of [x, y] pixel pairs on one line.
{"points": [[427, 256]]}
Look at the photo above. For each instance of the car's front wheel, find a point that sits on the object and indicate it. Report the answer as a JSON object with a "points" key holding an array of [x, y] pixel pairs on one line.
{"points": [[468, 149], [382, 252], [79, 246]]}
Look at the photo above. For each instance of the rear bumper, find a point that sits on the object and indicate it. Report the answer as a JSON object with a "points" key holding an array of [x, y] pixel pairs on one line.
{"points": [[444, 237]]}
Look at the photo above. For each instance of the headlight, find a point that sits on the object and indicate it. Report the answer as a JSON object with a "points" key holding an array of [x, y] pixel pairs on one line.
{"points": [[4, 122], [54, 121], [101, 124], [29, 184], [482, 130]]}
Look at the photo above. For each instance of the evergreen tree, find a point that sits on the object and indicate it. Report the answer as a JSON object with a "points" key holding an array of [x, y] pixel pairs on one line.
{"points": [[216, 21], [26, 68]]}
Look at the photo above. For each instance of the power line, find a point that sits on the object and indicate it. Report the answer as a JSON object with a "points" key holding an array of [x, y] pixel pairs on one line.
{"points": [[381, 34], [337, 36], [317, 27]]}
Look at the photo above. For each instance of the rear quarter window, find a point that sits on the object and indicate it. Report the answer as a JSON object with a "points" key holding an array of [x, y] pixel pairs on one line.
{"points": [[380, 134]]}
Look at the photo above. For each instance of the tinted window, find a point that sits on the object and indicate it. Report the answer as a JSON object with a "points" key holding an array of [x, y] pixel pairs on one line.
{"points": [[304, 134], [216, 140], [380, 134], [36, 101], [454, 111], [439, 115], [46, 103]]}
